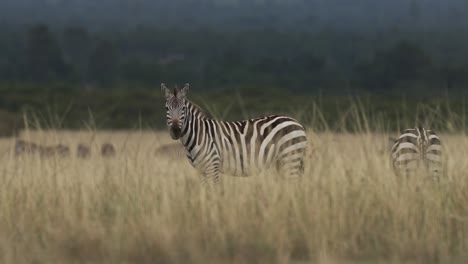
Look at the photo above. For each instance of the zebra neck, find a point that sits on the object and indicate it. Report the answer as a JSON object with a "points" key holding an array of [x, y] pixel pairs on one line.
{"points": [[193, 118], [195, 111]]}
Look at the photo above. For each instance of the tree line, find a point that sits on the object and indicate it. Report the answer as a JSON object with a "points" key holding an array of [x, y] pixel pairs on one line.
{"points": [[381, 62]]}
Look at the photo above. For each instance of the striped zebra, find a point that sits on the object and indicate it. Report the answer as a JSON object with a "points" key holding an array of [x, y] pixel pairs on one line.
{"points": [[238, 148], [415, 146]]}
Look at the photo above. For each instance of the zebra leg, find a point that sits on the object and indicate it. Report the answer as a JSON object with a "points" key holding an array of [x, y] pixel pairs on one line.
{"points": [[211, 176], [435, 170], [291, 166]]}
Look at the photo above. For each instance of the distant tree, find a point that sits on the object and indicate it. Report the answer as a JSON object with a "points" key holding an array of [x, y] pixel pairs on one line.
{"points": [[137, 71], [103, 63], [231, 58], [77, 46], [454, 77], [44, 57], [404, 62], [309, 63]]}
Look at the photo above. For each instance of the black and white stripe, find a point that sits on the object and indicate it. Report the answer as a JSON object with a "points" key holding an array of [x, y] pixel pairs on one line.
{"points": [[238, 148], [415, 146]]}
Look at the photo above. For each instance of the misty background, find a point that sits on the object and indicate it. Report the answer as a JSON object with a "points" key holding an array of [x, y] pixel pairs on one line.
{"points": [[108, 57], [307, 15]]}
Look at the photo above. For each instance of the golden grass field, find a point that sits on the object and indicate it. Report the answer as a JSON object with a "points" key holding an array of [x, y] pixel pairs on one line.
{"points": [[141, 208]]}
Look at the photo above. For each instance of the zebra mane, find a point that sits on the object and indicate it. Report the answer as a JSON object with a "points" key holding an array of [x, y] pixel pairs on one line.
{"points": [[198, 108]]}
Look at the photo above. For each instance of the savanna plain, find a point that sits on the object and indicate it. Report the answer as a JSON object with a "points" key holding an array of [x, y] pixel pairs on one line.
{"points": [[145, 207]]}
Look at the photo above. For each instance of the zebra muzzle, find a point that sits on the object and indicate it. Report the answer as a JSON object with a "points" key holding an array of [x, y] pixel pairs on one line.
{"points": [[175, 132]]}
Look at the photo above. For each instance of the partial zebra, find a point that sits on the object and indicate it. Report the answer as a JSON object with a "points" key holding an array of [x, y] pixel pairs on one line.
{"points": [[237, 148], [415, 146]]}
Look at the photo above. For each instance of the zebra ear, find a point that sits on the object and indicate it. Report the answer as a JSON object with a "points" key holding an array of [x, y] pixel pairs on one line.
{"points": [[165, 90], [184, 91]]}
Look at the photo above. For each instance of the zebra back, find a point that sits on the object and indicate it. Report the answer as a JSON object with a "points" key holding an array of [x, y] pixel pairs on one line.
{"points": [[243, 147]]}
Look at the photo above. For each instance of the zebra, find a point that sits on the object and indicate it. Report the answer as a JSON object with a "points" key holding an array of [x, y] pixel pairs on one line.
{"points": [[415, 146], [83, 151], [25, 147], [107, 150], [53, 151], [238, 148], [62, 150]]}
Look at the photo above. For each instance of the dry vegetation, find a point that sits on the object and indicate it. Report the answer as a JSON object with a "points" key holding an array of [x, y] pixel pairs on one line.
{"points": [[140, 208]]}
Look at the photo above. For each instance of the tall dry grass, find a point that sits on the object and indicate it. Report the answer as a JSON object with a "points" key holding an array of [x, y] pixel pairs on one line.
{"points": [[142, 208]]}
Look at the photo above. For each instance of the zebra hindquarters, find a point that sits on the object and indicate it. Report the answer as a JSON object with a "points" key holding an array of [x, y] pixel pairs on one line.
{"points": [[434, 165], [406, 166], [290, 159]]}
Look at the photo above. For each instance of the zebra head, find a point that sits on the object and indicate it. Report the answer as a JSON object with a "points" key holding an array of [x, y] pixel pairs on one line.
{"points": [[176, 109]]}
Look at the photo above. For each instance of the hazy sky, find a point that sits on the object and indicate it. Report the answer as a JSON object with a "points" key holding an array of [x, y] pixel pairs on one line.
{"points": [[303, 14]]}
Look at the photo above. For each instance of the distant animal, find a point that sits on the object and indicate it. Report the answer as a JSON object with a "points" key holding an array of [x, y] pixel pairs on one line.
{"points": [[62, 150], [25, 147], [83, 151], [415, 147], [59, 150], [107, 150], [47, 151], [237, 148], [173, 151]]}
